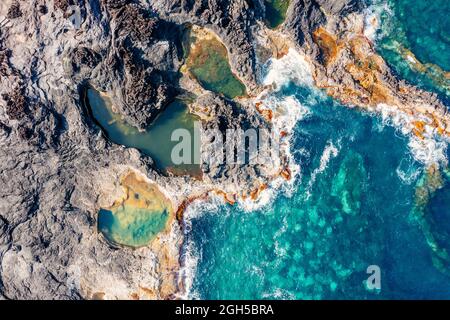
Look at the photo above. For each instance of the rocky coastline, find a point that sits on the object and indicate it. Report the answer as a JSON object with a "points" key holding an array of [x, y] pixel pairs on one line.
{"points": [[57, 167]]}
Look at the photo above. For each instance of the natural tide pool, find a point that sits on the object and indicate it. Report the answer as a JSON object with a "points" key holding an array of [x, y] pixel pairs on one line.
{"points": [[276, 12], [154, 141], [137, 218], [207, 60]]}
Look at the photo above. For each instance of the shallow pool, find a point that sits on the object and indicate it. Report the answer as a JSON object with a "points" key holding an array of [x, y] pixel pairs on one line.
{"points": [[156, 140]]}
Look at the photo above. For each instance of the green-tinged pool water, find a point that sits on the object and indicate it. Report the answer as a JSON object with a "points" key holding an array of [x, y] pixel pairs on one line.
{"points": [[276, 12], [137, 218], [207, 60], [156, 141]]}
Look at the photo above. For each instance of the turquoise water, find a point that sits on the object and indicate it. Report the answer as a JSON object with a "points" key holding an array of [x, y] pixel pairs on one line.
{"points": [[422, 27], [438, 216], [137, 218], [140, 228], [360, 210], [318, 243]]}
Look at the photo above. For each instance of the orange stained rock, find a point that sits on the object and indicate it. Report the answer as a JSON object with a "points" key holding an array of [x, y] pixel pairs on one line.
{"points": [[230, 199], [286, 173], [328, 44], [134, 296], [419, 128], [182, 207], [266, 113], [98, 296], [368, 70], [256, 192], [149, 293]]}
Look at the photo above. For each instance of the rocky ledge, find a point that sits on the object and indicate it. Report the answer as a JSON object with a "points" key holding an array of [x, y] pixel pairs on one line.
{"points": [[57, 168]]}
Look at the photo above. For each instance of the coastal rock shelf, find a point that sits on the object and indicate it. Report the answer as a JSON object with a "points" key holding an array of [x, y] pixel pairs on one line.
{"points": [[89, 191], [413, 38]]}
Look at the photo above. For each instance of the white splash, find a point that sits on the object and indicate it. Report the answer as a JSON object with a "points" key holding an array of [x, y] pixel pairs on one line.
{"points": [[292, 67], [407, 172], [372, 19], [287, 111], [430, 149], [192, 254], [329, 152]]}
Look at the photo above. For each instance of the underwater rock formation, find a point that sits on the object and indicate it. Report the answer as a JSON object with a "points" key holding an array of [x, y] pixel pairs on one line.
{"points": [[58, 169]]}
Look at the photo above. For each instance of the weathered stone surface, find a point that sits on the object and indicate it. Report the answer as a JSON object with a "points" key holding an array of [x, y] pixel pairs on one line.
{"points": [[14, 11], [57, 169], [231, 20]]}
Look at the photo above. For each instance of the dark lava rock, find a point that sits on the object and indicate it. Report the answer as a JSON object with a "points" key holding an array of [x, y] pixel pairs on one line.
{"points": [[63, 5], [148, 78], [83, 56], [231, 20], [14, 11], [43, 9], [16, 104], [4, 130]]}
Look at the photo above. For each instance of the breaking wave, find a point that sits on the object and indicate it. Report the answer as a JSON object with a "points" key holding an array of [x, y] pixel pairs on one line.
{"points": [[287, 110]]}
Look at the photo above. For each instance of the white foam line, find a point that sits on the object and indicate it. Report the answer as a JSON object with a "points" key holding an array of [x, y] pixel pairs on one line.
{"points": [[372, 18], [329, 152], [287, 112], [431, 149]]}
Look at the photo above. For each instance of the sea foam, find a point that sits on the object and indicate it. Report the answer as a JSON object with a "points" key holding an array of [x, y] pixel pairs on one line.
{"points": [[287, 110], [329, 152], [372, 19], [427, 150]]}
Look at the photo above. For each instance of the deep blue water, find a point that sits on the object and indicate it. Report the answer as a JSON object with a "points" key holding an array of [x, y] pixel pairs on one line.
{"points": [[319, 247], [422, 27], [356, 212]]}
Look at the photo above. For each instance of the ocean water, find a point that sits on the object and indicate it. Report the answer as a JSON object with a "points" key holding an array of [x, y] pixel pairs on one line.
{"points": [[417, 29], [352, 206]]}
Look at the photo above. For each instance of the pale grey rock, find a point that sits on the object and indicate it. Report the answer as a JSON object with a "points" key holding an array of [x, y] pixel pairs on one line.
{"points": [[54, 159]]}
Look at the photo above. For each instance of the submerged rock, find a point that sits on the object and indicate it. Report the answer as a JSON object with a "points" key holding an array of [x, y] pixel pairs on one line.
{"points": [[57, 170]]}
